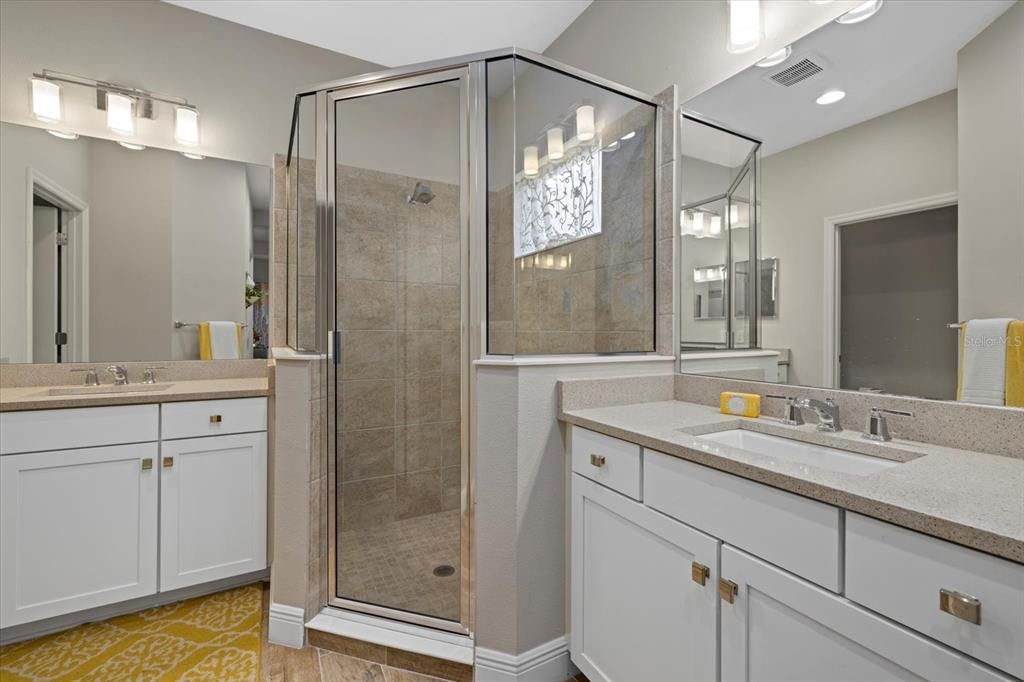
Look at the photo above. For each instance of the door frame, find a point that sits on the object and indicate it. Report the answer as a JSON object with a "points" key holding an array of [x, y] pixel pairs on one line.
{"points": [[471, 132], [832, 283], [76, 211]]}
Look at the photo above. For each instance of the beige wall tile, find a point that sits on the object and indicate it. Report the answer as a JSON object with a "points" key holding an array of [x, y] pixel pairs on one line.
{"points": [[367, 404], [367, 254], [367, 305], [418, 493], [367, 453], [369, 355], [366, 503]]}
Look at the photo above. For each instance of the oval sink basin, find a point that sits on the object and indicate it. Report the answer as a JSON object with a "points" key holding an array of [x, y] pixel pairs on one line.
{"points": [[100, 390], [819, 456]]}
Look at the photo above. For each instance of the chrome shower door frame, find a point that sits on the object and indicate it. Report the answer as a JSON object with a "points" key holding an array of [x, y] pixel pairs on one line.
{"points": [[469, 77]]}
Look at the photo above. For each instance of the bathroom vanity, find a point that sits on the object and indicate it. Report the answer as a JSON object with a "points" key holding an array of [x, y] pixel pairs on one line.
{"points": [[698, 554], [116, 502]]}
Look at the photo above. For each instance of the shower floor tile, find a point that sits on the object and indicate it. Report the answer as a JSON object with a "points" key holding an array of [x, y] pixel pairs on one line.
{"points": [[393, 564]]}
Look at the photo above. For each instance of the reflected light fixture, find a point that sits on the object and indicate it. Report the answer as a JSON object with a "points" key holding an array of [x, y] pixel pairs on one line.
{"points": [[530, 164], [830, 97], [120, 113], [556, 148], [612, 147], [46, 105], [194, 157], [628, 136], [715, 226], [775, 57], [861, 12], [585, 123], [63, 135], [186, 126], [745, 25], [131, 145]]}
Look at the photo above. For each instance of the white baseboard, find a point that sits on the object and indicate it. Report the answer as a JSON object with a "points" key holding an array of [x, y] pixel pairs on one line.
{"points": [[407, 637], [548, 662], [287, 626]]}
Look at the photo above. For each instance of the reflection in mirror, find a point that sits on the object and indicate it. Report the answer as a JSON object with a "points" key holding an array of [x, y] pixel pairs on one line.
{"points": [[896, 207], [112, 254]]}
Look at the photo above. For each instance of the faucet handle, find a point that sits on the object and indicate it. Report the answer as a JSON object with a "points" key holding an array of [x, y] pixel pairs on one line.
{"points": [[877, 411], [148, 377], [91, 379], [791, 414], [878, 426], [120, 373]]}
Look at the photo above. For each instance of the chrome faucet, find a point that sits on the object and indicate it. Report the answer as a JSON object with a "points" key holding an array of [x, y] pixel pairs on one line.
{"points": [[878, 425], [120, 373], [149, 376], [827, 411], [90, 376], [791, 414]]}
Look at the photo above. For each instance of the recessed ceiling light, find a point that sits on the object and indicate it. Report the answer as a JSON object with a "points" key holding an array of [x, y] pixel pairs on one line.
{"points": [[775, 57], [131, 145], [62, 135], [861, 12], [830, 97], [194, 157]]}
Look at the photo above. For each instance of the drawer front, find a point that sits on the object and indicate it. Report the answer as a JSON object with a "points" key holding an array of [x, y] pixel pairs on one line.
{"points": [[800, 535], [609, 461], [213, 417], [85, 427], [901, 573]]}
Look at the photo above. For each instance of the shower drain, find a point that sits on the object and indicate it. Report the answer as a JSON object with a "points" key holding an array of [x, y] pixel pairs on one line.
{"points": [[444, 571]]}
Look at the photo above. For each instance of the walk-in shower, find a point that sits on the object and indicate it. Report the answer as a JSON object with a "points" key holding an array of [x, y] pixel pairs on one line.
{"points": [[406, 188]]}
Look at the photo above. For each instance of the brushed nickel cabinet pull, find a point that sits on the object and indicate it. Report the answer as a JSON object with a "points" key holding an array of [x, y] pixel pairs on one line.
{"points": [[727, 590], [168, 462], [597, 460], [147, 463], [215, 419], [699, 573], [959, 605]]}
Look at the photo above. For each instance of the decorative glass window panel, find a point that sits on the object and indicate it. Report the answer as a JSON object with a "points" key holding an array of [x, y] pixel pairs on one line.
{"points": [[561, 204]]}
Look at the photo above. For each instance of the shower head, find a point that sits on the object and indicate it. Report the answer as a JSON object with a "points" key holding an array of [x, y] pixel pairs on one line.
{"points": [[421, 194]]}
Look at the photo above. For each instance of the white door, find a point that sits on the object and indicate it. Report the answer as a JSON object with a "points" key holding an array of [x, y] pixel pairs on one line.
{"points": [[78, 529], [213, 508], [780, 627], [45, 226], [637, 611]]}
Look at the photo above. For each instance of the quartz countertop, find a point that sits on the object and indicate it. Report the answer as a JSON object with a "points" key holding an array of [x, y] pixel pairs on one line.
{"points": [[38, 398], [970, 498]]}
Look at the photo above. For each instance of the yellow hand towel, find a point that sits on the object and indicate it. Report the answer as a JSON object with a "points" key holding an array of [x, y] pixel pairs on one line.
{"points": [[1015, 364], [206, 343]]}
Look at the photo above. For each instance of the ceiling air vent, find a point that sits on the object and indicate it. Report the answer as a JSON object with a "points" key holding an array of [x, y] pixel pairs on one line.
{"points": [[800, 71]]}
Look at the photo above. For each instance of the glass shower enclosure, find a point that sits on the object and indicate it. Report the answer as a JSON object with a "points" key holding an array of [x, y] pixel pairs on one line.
{"points": [[387, 272]]}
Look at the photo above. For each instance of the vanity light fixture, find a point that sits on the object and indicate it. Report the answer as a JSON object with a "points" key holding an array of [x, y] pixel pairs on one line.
{"points": [[131, 145], [194, 157], [628, 136], [186, 126], [120, 113], [585, 123], [775, 57], [746, 28], [46, 104], [556, 147], [861, 12], [830, 97], [715, 226], [531, 165], [63, 134], [612, 147]]}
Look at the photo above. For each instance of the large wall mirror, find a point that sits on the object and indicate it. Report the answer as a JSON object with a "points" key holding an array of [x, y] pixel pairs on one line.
{"points": [[113, 253], [887, 183]]}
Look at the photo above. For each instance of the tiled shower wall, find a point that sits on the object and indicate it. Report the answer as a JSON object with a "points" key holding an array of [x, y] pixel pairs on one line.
{"points": [[398, 296]]}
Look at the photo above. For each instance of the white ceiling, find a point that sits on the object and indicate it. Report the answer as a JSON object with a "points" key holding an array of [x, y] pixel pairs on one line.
{"points": [[399, 32], [904, 54]]}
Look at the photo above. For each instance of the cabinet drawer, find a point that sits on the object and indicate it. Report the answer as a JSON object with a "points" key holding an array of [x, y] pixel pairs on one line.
{"points": [[609, 461], [213, 417], [900, 573], [800, 535], [84, 427]]}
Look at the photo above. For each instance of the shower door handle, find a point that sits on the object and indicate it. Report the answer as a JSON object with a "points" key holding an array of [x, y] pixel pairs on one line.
{"points": [[335, 346]]}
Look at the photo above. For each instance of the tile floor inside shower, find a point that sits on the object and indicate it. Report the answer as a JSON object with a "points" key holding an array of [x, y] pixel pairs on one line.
{"points": [[401, 564]]}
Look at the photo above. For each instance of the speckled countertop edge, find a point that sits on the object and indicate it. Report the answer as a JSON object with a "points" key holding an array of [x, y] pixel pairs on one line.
{"points": [[973, 499], [33, 397]]}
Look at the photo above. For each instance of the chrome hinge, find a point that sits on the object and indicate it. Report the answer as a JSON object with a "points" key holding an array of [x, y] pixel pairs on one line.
{"points": [[61, 338], [61, 238]]}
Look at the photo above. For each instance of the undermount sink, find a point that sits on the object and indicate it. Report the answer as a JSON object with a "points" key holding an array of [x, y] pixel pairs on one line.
{"points": [[110, 388], [810, 454]]}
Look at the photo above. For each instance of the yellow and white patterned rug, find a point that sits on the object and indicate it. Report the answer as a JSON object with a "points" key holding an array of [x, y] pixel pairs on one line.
{"points": [[216, 637]]}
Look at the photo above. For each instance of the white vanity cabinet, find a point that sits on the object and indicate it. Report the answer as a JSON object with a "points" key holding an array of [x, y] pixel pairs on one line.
{"points": [[97, 508], [775, 604]]}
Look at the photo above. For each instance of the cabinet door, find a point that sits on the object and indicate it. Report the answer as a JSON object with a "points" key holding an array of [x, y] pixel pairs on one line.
{"points": [[637, 611], [780, 627], [213, 508], [78, 529]]}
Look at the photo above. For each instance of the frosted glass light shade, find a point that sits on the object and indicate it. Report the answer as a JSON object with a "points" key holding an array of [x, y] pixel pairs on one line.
{"points": [[186, 126], [745, 27], [120, 114], [46, 101], [556, 147], [585, 123], [530, 163]]}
